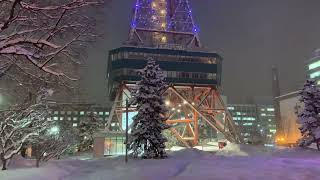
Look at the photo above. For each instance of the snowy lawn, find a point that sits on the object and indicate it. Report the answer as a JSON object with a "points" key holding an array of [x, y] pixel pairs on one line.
{"points": [[245, 163]]}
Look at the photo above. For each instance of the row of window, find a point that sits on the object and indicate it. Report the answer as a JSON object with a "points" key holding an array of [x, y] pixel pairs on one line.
{"points": [[314, 65], [56, 118], [264, 114], [162, 57], [170, 74], [315, 74], [244, 118], [101, 113]]}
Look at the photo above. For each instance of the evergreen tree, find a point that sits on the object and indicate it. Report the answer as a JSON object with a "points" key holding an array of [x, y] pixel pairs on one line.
{"points": [[146, 136], [309, 118], [86, 129]]}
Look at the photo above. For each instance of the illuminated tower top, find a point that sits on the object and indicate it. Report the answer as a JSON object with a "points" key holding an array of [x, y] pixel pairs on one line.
{"points": [[163, 23]]}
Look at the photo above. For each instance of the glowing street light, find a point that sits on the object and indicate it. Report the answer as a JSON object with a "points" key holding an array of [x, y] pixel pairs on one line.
{"points": [[184, 102], [167, 103]]}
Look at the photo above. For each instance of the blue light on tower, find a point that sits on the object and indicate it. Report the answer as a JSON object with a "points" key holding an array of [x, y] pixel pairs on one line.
{"points": [[195, 29]]}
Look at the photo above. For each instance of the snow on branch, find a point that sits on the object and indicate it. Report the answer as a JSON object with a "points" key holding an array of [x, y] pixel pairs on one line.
{"points": [[20, 123], [48, 35]]}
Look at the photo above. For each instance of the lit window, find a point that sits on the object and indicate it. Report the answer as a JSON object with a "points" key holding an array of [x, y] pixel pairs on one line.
{"points": [[75, 118], [318, 82], [56, 112], [49, 118], [314, 65], [262, 109], [263, 114], [74, 124], [69, 118], [101, 113], [315, 74], [247, 124], [107, 113], [81, 112], [55, 118], [61, 118], [231, 108], [69, 112], [272, 130], [270, 109], [238, 113]]}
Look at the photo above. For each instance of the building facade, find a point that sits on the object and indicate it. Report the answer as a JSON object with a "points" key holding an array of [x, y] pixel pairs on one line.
{"points": [[313, 67], [74, 112], [255, 122], [288, 132]]}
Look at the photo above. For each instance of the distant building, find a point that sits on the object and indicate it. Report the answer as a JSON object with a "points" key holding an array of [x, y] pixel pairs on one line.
{"points": [[73, 112], [313, 67], [255, 122], [288, 128]]}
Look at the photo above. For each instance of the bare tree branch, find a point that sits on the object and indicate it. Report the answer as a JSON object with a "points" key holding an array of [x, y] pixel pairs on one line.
{"points": [[46, 35]]}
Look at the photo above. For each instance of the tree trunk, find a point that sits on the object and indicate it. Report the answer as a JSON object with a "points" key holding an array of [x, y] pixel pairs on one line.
{"points": [[4, 164], [37, 163]]}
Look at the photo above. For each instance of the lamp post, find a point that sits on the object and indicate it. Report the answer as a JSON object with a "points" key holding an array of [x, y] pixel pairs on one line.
{"points": [[127, 127]]}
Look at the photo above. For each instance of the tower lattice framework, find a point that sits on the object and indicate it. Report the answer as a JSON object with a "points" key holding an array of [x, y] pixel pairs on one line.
{"points": [[163, 23], [165, 31]]}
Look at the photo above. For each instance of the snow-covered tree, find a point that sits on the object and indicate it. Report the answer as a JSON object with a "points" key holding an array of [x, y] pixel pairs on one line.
{"points": [[87, 127], [44, 36], [309, 118], [146, 136], [48, 145], [20, 123]]}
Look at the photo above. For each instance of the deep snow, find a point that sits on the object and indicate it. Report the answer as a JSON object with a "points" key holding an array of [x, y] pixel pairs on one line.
{"points": [[234, 162]]}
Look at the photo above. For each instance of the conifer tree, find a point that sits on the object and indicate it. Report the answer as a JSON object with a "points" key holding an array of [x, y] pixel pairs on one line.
{"points": [[309, 118], [146, 138]]}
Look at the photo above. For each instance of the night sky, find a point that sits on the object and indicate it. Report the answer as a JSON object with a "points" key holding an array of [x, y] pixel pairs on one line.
{"points": [[251, 35]]}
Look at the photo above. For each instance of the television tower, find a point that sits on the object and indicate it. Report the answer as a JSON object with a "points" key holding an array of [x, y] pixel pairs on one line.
{"points": [[165, 31]]}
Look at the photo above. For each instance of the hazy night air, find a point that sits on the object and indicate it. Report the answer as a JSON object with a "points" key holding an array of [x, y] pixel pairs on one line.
{"points": [[250, 35]]}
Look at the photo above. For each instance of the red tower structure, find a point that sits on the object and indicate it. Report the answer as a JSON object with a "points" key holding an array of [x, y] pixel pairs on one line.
{"points": [[165, 31]]}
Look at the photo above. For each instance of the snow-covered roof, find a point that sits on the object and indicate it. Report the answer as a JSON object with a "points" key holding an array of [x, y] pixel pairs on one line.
{"points": [[288, 95]]}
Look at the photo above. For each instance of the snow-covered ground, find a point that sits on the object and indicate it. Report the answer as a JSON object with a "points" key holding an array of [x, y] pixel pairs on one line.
{"points": [[234, 162]]}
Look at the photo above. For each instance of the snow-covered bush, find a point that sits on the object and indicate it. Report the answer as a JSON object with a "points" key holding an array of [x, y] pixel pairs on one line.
{"points": [[47, 145], [146, 137]]}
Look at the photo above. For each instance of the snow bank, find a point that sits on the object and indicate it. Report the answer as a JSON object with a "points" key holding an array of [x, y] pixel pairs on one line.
{"points": [[231, 150]]}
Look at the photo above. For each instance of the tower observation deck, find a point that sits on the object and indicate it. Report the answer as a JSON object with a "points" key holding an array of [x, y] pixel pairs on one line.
{"points": [[165, 31]]}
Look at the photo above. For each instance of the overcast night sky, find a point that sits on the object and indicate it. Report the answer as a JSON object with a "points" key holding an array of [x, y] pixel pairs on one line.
{"points": [[251, 35]]}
